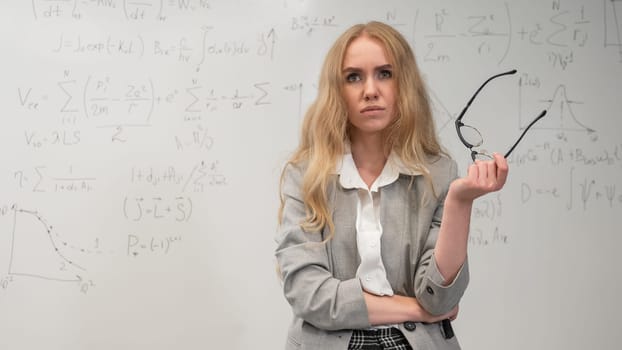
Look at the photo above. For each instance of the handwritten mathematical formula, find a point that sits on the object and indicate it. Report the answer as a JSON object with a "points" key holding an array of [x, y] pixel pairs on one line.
{"points": [[153, 111]]}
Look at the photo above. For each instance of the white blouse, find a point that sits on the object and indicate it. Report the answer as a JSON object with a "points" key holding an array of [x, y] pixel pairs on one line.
{"points": [[371, 271]]}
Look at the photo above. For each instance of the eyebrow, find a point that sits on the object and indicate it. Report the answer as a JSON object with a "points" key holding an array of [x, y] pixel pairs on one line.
{"points": [[355, 69]]}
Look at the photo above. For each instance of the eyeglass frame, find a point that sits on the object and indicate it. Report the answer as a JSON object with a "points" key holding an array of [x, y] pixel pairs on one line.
{"points": [[459, 124]]}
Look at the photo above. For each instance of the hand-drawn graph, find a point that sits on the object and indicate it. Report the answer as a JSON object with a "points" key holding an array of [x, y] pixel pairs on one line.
{"points": [[38, 251], [612, 17], [561, 115]]}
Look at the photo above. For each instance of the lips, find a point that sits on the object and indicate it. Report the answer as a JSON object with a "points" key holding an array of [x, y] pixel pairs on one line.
{"points": [[372, 109]]}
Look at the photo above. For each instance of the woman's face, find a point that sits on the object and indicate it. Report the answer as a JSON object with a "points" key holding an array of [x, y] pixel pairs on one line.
{"points": [[369, 88]]}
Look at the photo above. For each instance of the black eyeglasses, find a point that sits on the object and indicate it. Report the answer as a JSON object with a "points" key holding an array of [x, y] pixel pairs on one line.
{"points": [[472, 138]]}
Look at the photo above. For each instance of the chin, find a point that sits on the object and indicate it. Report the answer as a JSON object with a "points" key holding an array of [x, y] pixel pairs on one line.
{"points": [[371, 129]]}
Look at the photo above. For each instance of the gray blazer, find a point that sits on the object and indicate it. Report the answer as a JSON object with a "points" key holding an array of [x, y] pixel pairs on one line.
{"points": [[319, 274]]}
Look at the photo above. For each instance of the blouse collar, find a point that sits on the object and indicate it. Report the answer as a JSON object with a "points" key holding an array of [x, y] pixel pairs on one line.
{"points": [[349, 176]]}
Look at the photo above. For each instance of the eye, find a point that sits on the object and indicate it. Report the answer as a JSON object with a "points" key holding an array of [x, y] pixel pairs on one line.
{"points": [[353, 77], [385, 74]]}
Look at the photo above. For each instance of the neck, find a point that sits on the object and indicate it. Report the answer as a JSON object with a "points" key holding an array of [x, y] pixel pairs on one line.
{"points": [[370, 156]]}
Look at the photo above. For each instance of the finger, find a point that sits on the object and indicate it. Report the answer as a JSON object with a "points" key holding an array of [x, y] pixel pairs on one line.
{"points": [[473, 171], [482, 167], [502, 168], [455, 310], [491, 179], [453, 314]]}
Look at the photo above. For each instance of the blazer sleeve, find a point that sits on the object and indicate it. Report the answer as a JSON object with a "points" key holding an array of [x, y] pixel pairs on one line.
{"points": [[310, 288], [431, 289]]}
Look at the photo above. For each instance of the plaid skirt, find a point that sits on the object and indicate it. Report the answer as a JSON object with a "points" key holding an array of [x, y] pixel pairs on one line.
{"points": [[378, 339]]}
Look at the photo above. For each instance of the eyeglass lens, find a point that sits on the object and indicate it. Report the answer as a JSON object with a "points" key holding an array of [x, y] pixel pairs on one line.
{"points": [[472, 138]]}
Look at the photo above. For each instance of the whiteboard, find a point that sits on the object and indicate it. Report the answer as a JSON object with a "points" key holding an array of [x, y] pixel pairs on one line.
{"points": [[142, 143]]}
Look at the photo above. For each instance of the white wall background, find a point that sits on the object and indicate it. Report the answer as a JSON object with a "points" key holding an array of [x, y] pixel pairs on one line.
{"points": [[141, 144]]}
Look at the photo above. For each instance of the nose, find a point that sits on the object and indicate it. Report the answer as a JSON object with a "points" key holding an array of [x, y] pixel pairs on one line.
{"points": [[370, 91]]}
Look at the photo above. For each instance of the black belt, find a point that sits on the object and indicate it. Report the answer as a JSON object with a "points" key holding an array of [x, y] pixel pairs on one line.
{"points": [[377, 331], [446, 329]]}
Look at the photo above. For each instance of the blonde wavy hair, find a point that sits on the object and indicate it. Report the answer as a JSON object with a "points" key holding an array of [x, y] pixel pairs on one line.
{"points": [[412, 135]]}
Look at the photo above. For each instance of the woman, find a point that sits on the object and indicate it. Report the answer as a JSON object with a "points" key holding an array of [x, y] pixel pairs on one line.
{"points": [[372, 241]]}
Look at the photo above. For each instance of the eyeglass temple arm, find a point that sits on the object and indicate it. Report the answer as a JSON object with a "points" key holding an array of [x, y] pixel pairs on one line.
{"points": [[458, 120], [542, 114]]}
